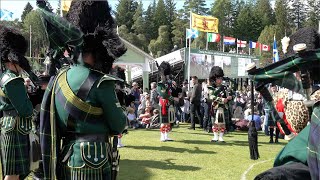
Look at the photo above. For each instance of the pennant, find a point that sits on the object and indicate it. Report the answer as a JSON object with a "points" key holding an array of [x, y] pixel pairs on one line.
{"points": [[229, 40], [204, 23], [275, 50], [65, 4], [6, 15], [265, 47], [241, 43], [212, 37], [192, 33], [253, 45]]}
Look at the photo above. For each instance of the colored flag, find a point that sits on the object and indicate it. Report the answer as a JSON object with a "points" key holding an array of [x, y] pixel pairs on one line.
{"points": [[6, 15], [241, 43], [265, 47], [204, 23], [212, 37], [275, 50], [192, 33], [229, 40], [253, 45], [66, 4]]}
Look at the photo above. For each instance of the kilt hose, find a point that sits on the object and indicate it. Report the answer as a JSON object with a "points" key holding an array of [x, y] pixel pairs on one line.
{"points": [[85, 173], [15, 157]]}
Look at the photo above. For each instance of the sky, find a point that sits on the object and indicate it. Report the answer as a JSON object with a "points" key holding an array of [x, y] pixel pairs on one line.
{"points": [[17, 6]]}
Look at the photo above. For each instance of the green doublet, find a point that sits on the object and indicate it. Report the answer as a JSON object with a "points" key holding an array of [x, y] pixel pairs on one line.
{"points": [[217, 95], [15, 125], [103, 116]]}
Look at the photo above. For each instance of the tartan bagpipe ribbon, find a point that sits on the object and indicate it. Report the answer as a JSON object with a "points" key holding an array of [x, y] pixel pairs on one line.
{"points": [[281, 74], [60, 32]]}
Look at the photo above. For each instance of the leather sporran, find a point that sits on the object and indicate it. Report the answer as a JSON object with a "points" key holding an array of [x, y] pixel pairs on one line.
{"points": [[35, 151]]}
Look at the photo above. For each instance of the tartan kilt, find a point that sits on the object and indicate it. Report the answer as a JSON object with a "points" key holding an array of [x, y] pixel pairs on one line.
{"points": [[15, 157], [85, 173]]}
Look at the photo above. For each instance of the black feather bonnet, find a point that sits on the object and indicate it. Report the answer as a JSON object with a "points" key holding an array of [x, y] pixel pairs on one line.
{"points": [[95, 21], [13, 46], [165, 68], [215, 72]]}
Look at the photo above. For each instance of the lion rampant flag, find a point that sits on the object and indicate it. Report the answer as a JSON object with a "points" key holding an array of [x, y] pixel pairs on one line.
{"points": [[204, 23], [65, 4]]}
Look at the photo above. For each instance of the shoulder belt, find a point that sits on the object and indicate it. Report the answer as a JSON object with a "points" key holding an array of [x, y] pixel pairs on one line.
{"points": [[75, 105]]}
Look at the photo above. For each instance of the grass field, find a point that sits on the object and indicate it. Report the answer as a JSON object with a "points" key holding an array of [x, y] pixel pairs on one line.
{"points": [[192, 156]]}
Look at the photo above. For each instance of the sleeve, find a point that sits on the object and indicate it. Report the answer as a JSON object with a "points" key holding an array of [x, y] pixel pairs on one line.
{"points": [[16, 92], [112, 110], [193, 93]]}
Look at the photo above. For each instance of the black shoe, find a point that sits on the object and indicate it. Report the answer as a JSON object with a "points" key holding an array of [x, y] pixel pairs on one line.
{"points": [[271, 141], [276, 141], [213, 140], [193, 128]]}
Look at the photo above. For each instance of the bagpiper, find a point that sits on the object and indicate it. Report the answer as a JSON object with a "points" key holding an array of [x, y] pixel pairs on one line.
{"points": [[80, 109], [299, 159], [17, 109], [219, 97]]}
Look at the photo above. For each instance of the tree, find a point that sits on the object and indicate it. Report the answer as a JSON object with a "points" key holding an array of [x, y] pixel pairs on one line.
{"points": [[222, 9], [237, 5], [124, 14], [161, 46], [266, 37], [28, 8], [248, 27], [298, 13], [148, 18], [179, 29], [39, 39], [264, 12], [313, 15], [160, 16], [171, 11], [139, 24], [199, 7], [282, 17]]}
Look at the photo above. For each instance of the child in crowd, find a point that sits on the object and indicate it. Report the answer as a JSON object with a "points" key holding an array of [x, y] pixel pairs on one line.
{"points": [[132, 118], [155, 120], [146, 117]]}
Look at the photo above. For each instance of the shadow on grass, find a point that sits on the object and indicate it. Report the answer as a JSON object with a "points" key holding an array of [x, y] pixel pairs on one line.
{"points": [[196, 150], [226, 143], [138, 169]]}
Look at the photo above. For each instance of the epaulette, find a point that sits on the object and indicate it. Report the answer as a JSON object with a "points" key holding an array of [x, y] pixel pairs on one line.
{"points": [[8, 77], [108, 77]]}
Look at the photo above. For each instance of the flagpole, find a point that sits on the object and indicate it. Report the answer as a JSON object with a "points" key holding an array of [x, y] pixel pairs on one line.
{"points": [[207, 42], [237, 46], [30, 42], [249, 49], [222, 43], [189, 59]]}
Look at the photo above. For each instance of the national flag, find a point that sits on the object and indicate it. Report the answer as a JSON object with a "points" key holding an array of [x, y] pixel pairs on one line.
{"points": [[275, 50], [265, 47], [192, 33], [241, 43], [65, 4], [204, 23], [6, 15], [212, 37], [253, 45], [229, 40]]}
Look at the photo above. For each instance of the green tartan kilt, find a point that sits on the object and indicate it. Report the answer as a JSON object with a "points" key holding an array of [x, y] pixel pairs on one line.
{"points": [[15, 158], [85, 173]]}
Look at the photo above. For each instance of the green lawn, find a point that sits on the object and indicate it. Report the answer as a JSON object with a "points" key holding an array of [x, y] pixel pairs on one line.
{"points": [[192, 155]]}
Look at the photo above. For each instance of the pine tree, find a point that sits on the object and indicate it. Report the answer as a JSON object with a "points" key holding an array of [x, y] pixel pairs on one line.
{"points": [[222, 9], [313, 15], [160, 16], [28, 8], [171, 11], [151, 33], [264, 12], [179, 29], [298, 13], [161, 46], [124, 14], [248, 27], [237, 5], [282, 17], [199, 7], [266, 37], [138, 24]]}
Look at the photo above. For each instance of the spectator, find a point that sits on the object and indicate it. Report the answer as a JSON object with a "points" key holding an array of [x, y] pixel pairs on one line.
{"points": [[195, 101], [136, 93], [154, 96], [186, 105], [176, 93], [256, 118], [134, 124], [146, 117]]}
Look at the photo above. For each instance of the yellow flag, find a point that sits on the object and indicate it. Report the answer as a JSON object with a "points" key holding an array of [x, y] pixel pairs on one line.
{"points": [[65, 4], [204, 23]]}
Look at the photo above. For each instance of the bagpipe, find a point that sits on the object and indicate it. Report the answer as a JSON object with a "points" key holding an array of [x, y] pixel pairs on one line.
{"points": [[281, 73]]}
